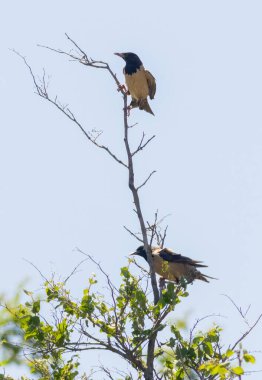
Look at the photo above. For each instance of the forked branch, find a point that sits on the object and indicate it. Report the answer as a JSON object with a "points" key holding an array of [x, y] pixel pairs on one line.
{"points": [[41, 90]]}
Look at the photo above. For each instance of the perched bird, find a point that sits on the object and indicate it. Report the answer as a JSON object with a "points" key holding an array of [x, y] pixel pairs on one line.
{"points": [[172, 266], [140, 82]]}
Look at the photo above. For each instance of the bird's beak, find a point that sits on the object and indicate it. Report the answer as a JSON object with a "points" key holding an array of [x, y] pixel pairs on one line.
{"points": [[120, 55], [132, 254]]}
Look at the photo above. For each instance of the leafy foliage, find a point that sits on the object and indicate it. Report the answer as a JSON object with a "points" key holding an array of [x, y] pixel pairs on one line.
{"points": [[122, 321], [11, 336]]}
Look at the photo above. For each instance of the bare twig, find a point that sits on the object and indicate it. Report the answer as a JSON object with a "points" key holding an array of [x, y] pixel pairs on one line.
{"points": [[239, 309], [133, 125], [141, 146], [163, 237], [41, 90], [84, 60], [140, 267], [111, 285], [246, 333], [74, 270], [200, 320], [38, 270], [74, 43], [155, 231], [133, 234], [147, 179], [152, 228]]}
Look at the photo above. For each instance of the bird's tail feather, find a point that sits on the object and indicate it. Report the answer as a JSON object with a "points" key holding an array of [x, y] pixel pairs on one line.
{"points": [[143, 105], [197, 265], [204, 277]]}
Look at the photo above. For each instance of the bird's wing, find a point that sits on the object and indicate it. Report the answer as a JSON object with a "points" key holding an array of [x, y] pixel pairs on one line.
{"points": [[151, 84], [168, 255]]}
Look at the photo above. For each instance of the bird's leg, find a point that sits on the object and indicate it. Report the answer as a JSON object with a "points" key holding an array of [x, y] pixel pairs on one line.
{"points": [[123, 88], [133, 104], [162, 283]]}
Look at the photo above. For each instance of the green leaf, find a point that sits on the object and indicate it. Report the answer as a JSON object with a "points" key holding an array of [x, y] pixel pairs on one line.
{"points": [[208, 349], [176, 332], [92, 280], [180, 374], [229, 353], [249, 358], [36, 307], [238, 370], [197, 339], [172, 342], [28, 293], [215, 370], [34, 322], [169, 364], [222, 371], [87, 303], [125, 272]]}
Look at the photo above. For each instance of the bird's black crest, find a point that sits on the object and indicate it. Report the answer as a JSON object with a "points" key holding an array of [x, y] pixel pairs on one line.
{"points": [[141, 252], [133, 63]]}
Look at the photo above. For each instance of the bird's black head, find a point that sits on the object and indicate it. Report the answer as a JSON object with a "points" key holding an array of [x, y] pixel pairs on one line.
{"points": [[140, 252], [130, 58], [133, 62]]}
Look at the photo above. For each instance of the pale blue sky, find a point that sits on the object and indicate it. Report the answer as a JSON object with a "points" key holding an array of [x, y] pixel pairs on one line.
{"points": [[58, 192]]}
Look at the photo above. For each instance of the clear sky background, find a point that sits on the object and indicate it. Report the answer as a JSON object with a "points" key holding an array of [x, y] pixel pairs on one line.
{"points": [[58, 192]]}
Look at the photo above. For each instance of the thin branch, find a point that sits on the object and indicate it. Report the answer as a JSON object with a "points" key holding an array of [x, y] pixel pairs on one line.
{"points": [[163, 238], [200, 320], [74, 43], [239, 309], [38, 270], [246, 333], [111, 285], [148, 178], [141, 268], [41, 90], [74, 270], [141, 146], [133, 234], [133, 125], [84, 60], [107, 372], [152, 228], [155, 230]]}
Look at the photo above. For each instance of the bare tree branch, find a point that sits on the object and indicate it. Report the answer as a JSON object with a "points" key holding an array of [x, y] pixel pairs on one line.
{"points": [[163, 237], [200, 320], [41, 90], [133, 234], [84, 60], [147, 179], [246, 333], [239, 309], [110, 284], [38, 270], [141, 146], [74, 270]]}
